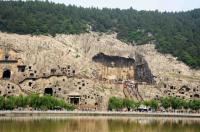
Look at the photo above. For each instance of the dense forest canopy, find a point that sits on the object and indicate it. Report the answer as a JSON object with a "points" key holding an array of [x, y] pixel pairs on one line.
{"points": [[177, 33]]}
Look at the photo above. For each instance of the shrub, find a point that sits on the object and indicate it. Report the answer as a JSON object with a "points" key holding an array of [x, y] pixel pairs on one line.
{"points": [[154, 104], [129, 104], [35, 101], [115, 103]]}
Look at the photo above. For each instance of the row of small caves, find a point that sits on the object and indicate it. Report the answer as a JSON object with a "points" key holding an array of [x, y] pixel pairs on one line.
{"points": [[169, 90], [76, 99], [106, 60], [184, 92], [30, 74], [69, 72]]}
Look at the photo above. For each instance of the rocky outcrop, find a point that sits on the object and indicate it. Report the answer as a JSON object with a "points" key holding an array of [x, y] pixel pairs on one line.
{"points": [[68, 67]]}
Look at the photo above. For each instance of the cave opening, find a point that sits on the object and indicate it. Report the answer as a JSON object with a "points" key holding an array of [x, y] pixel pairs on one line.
{"points": [[186, 88], [6, 74], [113, 61], [74, 100], [21, 68], [196, 96], [6, 57], [48, 91]]}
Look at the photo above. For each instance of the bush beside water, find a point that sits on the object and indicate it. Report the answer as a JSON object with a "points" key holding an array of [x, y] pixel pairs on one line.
{"points": [[35, 101], [174, 103]]}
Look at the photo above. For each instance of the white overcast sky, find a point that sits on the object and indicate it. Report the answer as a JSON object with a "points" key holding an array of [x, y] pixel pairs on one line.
{"points": [[161, 5]]}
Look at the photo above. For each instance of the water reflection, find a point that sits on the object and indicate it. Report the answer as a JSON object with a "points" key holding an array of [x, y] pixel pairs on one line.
{"points": [[98, 124]]}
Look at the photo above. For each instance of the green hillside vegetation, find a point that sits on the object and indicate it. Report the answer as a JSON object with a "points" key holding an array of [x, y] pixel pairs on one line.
{"points": [[177, 33]]}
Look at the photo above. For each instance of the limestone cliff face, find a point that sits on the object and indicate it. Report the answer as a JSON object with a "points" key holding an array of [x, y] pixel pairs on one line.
{"points": [[64, 67], [173, 78], [115, 67]]}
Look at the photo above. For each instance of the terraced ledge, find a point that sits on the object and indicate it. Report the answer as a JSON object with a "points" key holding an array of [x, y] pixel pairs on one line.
{"points": [[95, 113]]}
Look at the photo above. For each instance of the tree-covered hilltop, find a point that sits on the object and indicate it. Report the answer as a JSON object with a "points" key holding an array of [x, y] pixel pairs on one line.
{"points": [[176, 33]]}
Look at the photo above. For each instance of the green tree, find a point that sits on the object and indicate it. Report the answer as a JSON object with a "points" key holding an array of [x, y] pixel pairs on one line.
{"points": [[129, 104], [194, 104], [10, 103], [146, 102], [115, 103], [154, 104], [21, 101], [34, 100], [176, 103], [186, 104], [137, 104], [165, 102]]}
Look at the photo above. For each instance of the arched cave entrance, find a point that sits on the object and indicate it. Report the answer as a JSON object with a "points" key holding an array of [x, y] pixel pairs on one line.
{"points": [[6, 74], [48, 91]]}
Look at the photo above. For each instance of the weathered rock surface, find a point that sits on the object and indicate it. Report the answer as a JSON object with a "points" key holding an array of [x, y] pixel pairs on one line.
{"points": [[63, 66]]}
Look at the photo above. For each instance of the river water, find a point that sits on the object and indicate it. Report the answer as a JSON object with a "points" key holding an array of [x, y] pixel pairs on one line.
{"points": [[98, 124]]}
